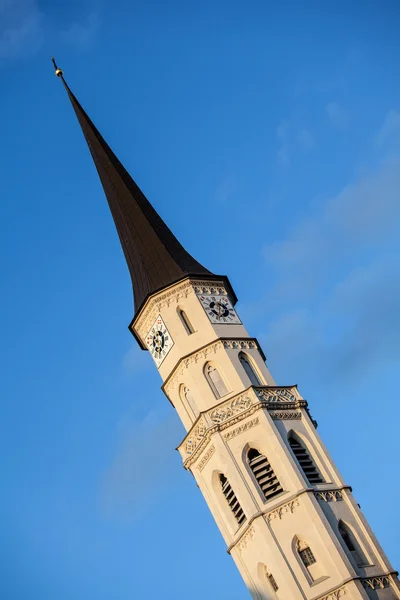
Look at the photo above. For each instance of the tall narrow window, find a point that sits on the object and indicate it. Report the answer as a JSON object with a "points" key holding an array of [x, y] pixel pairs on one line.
{"points": [[307, 557], [232, 500], [215, 381], [272, 581], [248, 367], [264, 475], [305, 461], [352, 544], [185, 321], [311, 568], [187, 396]]}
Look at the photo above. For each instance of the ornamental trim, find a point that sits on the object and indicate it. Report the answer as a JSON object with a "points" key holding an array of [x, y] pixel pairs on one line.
{"points": [[234, 432], [285, 415], [330, 495], [246, 538], [335, 595], [376, 583], [206, 458], [279, 512]]}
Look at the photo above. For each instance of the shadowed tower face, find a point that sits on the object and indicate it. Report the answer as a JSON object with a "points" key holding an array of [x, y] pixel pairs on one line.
{"points": [[289, 520]]}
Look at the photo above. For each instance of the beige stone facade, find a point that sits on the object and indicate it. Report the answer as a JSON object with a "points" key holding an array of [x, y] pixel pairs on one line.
{"points": [[289, 520]]}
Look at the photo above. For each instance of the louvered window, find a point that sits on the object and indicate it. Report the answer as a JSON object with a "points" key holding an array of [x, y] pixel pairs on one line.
{"points": [[352, 545], [232, 500], [307, 557], [272, 581], [305, 461], [265, 476]]}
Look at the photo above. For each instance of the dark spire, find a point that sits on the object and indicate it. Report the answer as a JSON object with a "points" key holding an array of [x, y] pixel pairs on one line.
{"points": [[154, 256]]}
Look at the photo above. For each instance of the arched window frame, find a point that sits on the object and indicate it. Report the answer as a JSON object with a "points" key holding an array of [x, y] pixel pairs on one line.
{"points": [[185, 321], [217, 385], [188, 400], [315, 473], [352, 544], [263, 474], [268, 581], [307, 560], [249, 368]]}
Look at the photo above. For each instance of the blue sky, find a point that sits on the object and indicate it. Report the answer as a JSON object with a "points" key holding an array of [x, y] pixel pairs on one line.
{"points": [[268, 137]]}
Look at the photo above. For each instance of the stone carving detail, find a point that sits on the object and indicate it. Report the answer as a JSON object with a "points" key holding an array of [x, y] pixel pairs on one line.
{"points": [[196, 436], [285, 415], [279, 395], [239, 344], [330, 496], [234, 432], [230, 408], [376, 583], [208, 287], [279, 512], [246, 538], [206, 458], [335, 595]]}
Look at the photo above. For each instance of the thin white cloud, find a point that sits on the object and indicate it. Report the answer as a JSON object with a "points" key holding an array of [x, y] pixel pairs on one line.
{"points": [[81, 33], [336, 114], [390, 130], [145, 459], [291, 140], [306, 139], [21, 28]]}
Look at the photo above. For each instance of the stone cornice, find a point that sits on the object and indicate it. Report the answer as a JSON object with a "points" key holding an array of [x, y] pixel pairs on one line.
{"points": [[234, 410], [205, 351]]}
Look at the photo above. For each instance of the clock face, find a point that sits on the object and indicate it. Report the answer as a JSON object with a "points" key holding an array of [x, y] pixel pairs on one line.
{"points": [[219, 309], [159, 341]]}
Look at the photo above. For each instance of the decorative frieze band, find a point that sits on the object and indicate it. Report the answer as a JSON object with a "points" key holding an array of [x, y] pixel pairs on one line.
{"points": [[330, 496], [206, 458], [246, 538], [279, 512], [285, 415], [376, 583], [335, 595], [236, 409], [239, 344], [234, 432]]}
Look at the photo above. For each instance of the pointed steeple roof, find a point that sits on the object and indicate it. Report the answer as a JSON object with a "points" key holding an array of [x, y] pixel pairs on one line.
{"points": [[154, 256]]}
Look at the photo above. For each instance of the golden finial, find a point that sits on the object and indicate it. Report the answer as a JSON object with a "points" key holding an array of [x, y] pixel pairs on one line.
{"points": [[59, 72]]}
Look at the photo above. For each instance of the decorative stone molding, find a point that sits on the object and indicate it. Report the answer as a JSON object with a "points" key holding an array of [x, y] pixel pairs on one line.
{"points": [[282, 395], [330, 495], [240, 344], [335, 595], [234, 432], [285, 415], [376, 583], [279, 512], [231, 407], [154, 306], [229, 413], [206, 458], [197, 435], [210, 287], [246, 538]]}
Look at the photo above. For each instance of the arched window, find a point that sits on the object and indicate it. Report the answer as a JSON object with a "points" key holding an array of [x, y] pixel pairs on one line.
{"points": [[232, 500], [271, 580], [352, 545], [215, 380], [311, 568], [187, 396], [307, 557], [264, 475], [185, 321], [305, 461], [248, 367]]}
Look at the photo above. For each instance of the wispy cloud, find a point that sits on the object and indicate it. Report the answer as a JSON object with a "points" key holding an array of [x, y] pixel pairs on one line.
{"points": [[390, 130], [292, 139], [144, 449], [21, 28], [336, 114], [81, 33]]}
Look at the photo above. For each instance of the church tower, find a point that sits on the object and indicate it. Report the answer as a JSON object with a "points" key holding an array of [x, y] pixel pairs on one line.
{"points": [[288, 518]]}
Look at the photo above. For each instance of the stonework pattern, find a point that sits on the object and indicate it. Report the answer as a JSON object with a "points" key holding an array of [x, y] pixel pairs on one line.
{"points": [[330, 496], [245, 539], [279, 512], [234, 432], [206, 458]]}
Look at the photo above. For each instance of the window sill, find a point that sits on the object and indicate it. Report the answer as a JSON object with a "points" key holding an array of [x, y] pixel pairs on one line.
{"points": [[319, 580]]}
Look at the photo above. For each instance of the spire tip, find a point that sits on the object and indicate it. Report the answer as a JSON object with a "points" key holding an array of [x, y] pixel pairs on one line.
{"points": [[58, 72]]}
